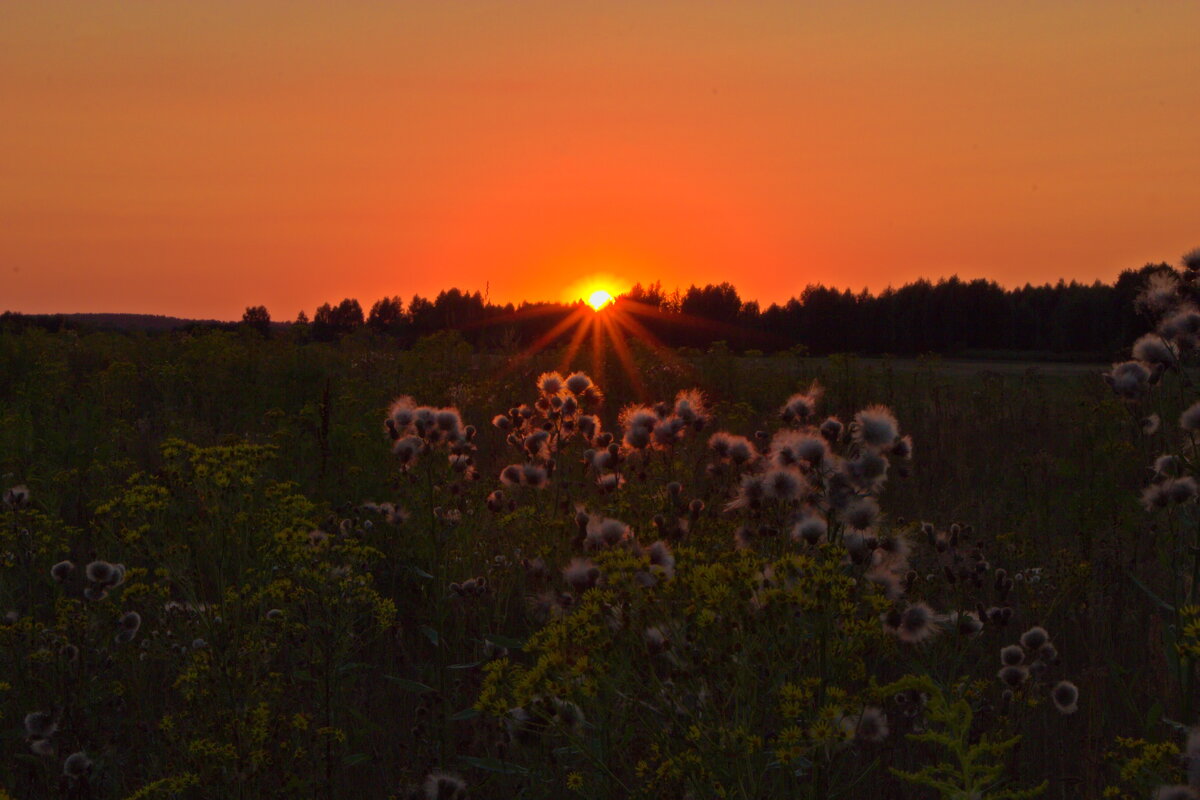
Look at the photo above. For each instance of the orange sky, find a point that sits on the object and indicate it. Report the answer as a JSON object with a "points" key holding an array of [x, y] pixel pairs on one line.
{"points": [[192, 159]]}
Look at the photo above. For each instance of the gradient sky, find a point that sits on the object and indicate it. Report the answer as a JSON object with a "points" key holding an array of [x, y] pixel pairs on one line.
{"points": [[192, 159]]}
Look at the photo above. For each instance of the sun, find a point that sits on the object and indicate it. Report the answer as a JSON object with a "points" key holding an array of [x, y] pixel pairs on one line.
{"points": [[599, 299]]}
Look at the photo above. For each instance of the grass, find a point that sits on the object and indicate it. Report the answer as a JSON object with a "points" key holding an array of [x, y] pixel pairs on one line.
{"points": [[275, 661]]}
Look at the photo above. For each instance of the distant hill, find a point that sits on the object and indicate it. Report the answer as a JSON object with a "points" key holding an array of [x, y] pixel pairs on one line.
{"points": [[136, 322], [150, 323]]}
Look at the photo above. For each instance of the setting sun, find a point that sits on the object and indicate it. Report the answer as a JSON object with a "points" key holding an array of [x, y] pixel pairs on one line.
{"points": [[599, 299]]}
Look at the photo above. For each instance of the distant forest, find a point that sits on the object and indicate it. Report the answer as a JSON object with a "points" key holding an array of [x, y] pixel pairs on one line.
{"points": [[949, 317]]}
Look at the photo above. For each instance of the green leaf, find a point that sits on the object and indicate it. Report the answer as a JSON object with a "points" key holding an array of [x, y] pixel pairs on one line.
{"points": [[470, 665], [494, 765], [504, 641], [465, 714], [354, 759], [1163, 604], [430, 634], [412, 686]]}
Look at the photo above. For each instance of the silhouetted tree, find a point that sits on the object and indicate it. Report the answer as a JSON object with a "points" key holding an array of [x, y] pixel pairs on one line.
{"points": [[331, 322], [387, 316], [257, 318]]}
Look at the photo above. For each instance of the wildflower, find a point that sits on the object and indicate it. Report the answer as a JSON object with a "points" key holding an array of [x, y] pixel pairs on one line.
{"points": [[502, 423], [61, 571], [869, 726], [656, 640], [581, 574], [1152, 349], [750, 494], [1034, 638], [511, 475], [567, 715], [799, 407], [1013, 676], [861, 513], [577, 383], [604, 533], [1180, 490], [550, 383], [76, 765], [401, 415], [1175, 793], [444, 786], [668, 431], [1189, 420], [1161, 292], [791, 448], [534, 475], [449, 421], [99, 572], [832, 429], [1155, 496], [407, 449], [1048, 653], [661, 556], [1182, 326], [915, 624], [1012, 655], [1066, 697], [811, 528], [40, 725], [1128, 379], [638, 423], [784, 485], [868, 471], [968, 623], [690, 406], [876, 426], [16, 497]]}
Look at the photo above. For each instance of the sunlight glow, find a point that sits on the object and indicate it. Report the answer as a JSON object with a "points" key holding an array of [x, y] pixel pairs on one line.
{"points": [[599, 299]]}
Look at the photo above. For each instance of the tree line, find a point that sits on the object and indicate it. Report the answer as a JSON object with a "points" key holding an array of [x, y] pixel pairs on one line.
{"points": [[950, 316]]}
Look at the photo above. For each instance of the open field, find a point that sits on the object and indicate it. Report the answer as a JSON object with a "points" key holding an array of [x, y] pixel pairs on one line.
{"points": [[295, 637]]}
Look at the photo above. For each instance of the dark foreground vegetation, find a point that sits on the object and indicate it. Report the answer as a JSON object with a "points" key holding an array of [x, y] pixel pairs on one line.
{"points": [[238, 566], [977, 318]]}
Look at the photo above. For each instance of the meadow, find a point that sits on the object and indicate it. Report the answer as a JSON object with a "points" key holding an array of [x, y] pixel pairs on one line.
{"points": [[237, 566]]}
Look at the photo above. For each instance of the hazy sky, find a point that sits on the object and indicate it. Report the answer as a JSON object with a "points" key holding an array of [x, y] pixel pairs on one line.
{"points": [[195, 158]]}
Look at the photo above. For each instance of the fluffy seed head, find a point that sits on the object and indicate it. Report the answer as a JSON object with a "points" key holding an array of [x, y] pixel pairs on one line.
{"points": [[578, 383], [1066, 697], [876, 427], [76, 765], [444, 786], [550, 383], [1128, 379], [61, 571], [1034, 638], [861, 513], [1013, 676], [40, 725], [1012, 655], [871, 725], [1152, 349], [99, 572]]}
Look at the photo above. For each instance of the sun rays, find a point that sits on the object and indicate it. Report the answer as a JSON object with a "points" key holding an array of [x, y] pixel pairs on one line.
{"points": [[606, 324]]}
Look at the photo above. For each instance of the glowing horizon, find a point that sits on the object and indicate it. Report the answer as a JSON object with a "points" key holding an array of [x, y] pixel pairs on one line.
{"points": [[192, 160]]}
